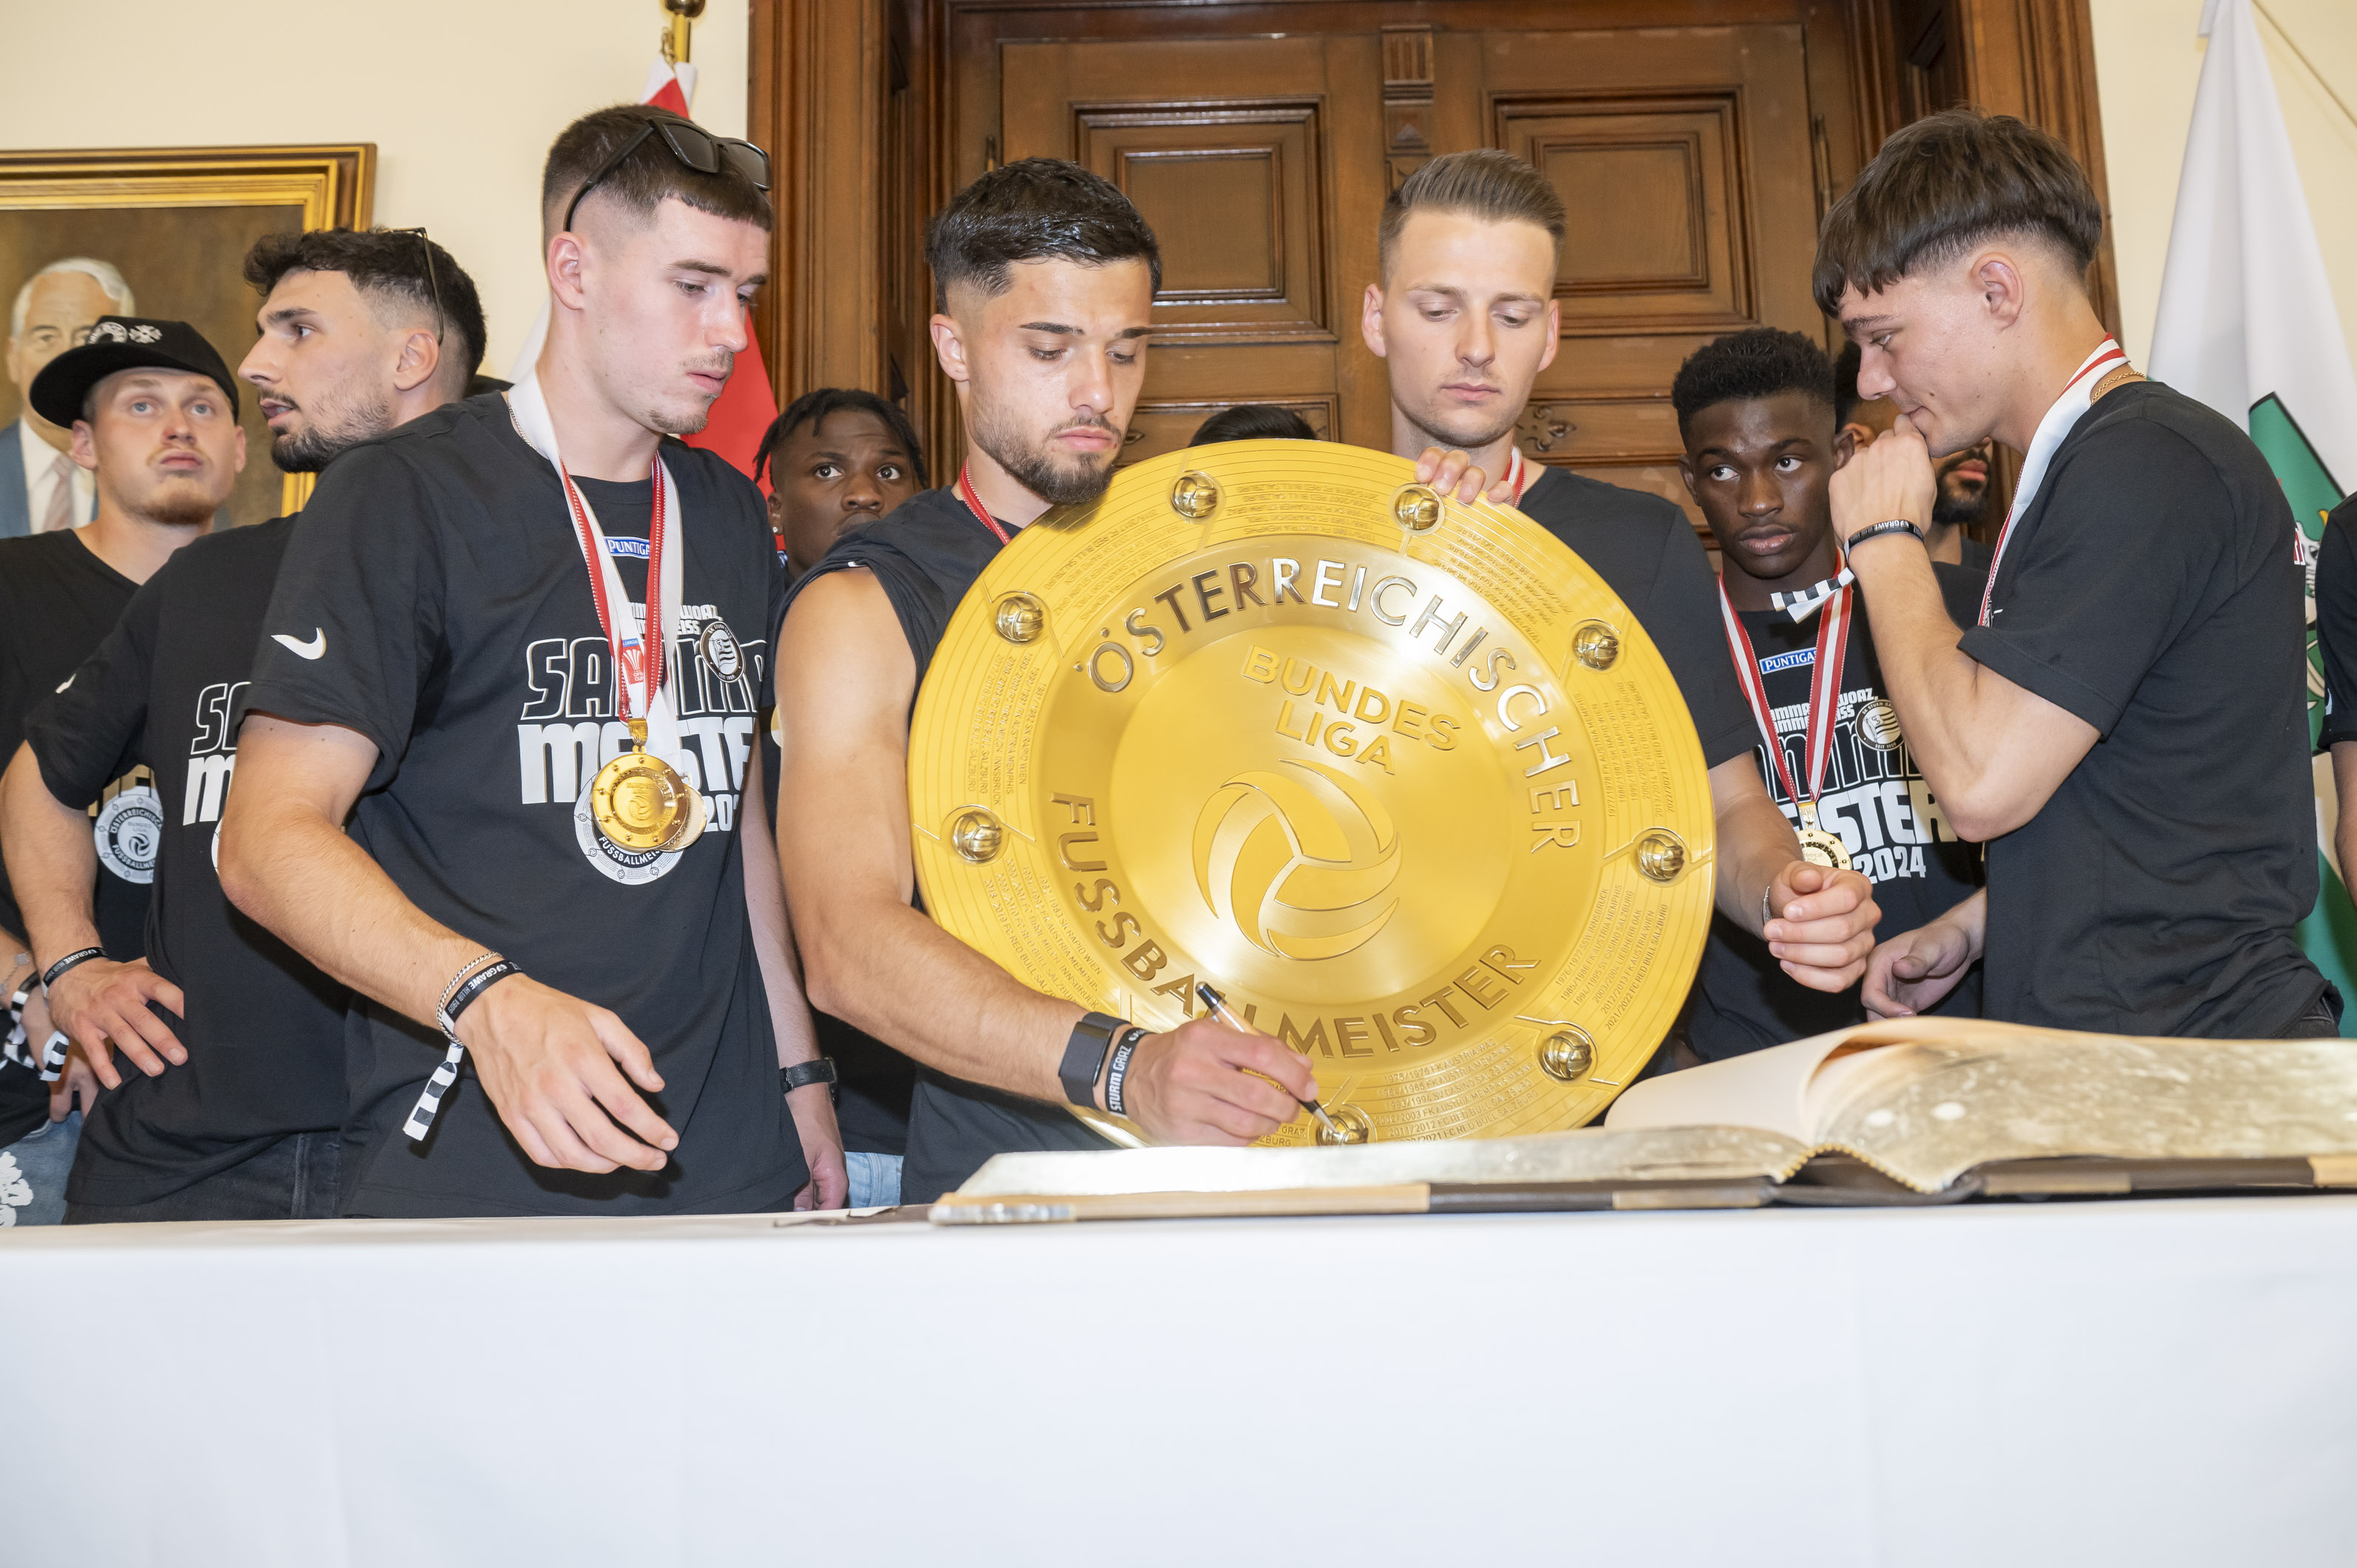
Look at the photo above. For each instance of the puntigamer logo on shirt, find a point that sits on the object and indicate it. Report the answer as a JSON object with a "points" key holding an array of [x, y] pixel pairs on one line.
{"points": [[568, 730]]}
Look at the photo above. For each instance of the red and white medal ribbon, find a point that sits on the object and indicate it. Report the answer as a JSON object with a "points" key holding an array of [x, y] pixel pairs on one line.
{"points": [[643, 655], [1519, 474], [2078, 396], [1825, 695], [973, 504]]}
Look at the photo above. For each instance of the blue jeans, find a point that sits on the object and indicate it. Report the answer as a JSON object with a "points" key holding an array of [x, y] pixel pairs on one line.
{"points": [[875, 1180], [33, 1173], [293, 1178]]}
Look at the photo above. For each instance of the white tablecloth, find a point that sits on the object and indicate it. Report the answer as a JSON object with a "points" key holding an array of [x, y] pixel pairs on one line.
{"points": [[2084, 1385]]}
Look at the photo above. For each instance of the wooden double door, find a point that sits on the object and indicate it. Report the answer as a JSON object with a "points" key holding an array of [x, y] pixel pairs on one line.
{"points": [[1696, 144]]}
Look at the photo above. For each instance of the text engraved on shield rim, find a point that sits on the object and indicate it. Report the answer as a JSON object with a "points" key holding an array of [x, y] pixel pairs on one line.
{"points": [[1355, 775]]}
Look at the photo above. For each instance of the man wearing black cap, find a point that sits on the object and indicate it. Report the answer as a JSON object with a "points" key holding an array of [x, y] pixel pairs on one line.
{"points": [[237, 1106], [154, 414]]}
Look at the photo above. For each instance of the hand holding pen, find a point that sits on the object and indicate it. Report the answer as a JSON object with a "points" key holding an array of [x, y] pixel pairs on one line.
{"points": [[1219, 1008]]}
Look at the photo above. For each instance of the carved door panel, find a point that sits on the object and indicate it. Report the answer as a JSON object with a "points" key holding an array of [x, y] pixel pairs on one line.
{"points": [[1259, 163], [1685, 159]]}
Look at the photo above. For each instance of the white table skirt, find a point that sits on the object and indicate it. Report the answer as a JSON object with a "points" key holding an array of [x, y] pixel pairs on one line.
{"points": [[2147, 1382]]}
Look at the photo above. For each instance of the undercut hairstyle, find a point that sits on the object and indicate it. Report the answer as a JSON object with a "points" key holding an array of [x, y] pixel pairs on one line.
{"points": [[1742, 367], [1947, 183], [1846, 398], [1253, 421], [810, 410], [1034, 209], [1495, 186], [643, 180], [386, 266]]}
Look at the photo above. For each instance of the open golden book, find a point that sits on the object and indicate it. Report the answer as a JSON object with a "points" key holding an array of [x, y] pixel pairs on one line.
{"points": [[1911, 1111]]}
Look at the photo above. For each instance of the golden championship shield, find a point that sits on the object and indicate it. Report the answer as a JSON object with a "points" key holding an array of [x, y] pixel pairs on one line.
{"points": [[1399, 775]]}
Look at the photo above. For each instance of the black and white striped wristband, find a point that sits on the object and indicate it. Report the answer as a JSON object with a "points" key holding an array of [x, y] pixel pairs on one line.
{"points": [[470, 982]]}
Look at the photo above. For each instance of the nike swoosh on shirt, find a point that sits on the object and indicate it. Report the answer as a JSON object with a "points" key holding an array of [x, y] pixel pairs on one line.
{"points": [[67, 682], [315, 647]]}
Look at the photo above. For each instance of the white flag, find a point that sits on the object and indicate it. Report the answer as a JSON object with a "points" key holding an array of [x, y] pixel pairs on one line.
{"points": [[2247, 308]]}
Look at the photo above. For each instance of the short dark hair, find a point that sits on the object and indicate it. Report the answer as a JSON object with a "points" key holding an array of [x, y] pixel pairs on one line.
{"points": [[647, 176], [1945, 184], [1846, 398], [1484, 183], [1253, 421], [812, 407], [1757, 362], [1029, 210], [388, 264]]}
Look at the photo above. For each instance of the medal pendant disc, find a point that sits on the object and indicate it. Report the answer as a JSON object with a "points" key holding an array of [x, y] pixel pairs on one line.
{"points": [[692, 826], [640, 801], [1819, 847]]}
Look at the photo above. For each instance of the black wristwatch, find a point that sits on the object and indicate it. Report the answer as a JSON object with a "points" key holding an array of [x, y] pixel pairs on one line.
{"points": [[1084, 1056], [802, 1075]]}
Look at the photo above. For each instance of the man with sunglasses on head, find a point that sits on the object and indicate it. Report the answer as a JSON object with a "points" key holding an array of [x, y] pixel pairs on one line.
{"points": [[517, 645], [228, 1103]]}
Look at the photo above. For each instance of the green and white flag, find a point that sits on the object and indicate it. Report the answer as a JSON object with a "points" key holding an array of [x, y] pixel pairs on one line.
{"points": [[2248, 325]]}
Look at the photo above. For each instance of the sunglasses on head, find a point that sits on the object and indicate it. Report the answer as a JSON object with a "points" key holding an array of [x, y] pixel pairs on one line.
{"points": [[425, 248], [695, 147]]}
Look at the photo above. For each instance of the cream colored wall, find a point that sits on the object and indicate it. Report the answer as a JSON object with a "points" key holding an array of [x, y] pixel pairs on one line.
{"points": [[2147, 61], [461, 98]]}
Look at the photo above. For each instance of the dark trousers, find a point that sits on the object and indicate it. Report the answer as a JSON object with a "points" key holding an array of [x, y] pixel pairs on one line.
{"points": [[295, 1178]]}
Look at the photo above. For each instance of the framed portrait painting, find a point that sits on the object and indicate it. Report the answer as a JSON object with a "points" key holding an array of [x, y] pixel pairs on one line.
{"points": [[172, 226]]}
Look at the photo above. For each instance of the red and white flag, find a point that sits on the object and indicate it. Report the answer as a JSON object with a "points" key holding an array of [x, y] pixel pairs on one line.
{"points": [[742, 413]]}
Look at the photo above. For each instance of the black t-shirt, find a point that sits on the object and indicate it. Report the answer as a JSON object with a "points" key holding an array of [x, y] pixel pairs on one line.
{"points": [[57, 600], [434, 600], [1978, 559], [1875, 798], [925, 556], [264, 1030], [2151, 589], [1646, 551], [2336, 625]]}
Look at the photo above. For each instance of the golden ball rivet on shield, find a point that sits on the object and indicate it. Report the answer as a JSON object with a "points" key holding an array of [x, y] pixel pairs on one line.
{"points": [[1020, 619], [1350, 1125], [1568, 1054], [976, 835], [1196, 495], [1661, 854], [1595, 644], [1417, 507]]}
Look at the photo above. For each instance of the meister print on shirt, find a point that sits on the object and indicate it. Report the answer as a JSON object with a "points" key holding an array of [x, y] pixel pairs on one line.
{"points": [[1874, 795], [567, 729]]}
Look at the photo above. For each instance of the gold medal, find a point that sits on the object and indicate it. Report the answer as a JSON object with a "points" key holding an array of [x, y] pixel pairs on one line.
{"points": [[1819, 847], [641, 801]]}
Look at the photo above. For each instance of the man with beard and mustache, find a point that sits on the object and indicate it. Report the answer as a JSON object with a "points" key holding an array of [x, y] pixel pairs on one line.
{"points": [[1044, 277], [238, 1105], [1963, 476], [1465, 318], [154, 416], [482, 615]]}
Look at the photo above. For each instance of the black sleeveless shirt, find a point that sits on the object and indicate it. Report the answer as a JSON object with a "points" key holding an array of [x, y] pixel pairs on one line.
{"points": [[925, 556]]}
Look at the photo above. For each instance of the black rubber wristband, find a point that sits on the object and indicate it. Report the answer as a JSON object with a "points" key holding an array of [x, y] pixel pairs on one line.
{"points": [[802, 1075], [1877, 530], [72, 960], [1117, 1070], [1084, 1056], [482, 979]]}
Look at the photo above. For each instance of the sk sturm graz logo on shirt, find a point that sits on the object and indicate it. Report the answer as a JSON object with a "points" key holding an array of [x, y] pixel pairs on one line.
{"points": [[212, 756], [567, 729], [1874, 797]]}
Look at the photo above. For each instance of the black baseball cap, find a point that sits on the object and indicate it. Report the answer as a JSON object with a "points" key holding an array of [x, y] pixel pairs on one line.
{"points": [[123, 343]]}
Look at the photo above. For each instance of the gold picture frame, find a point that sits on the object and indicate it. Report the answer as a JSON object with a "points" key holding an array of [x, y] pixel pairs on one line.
{"points": [[180, 219]]}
